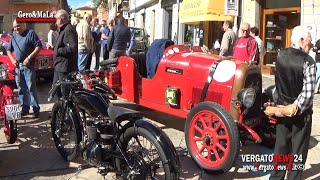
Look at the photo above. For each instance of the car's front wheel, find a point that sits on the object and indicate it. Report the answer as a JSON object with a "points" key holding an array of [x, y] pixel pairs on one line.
{"points": [[212, 137]]}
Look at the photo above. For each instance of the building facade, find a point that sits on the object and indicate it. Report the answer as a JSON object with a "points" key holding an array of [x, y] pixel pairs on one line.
{"points": [[80, 12], [9, 11], [102, 13]]}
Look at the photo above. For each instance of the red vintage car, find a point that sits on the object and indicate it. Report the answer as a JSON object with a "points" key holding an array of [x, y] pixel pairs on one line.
{"points": [[44, 60], [220, 98]]}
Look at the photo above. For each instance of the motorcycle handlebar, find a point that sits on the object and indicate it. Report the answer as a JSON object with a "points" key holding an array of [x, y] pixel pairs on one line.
{"points": [[57, 85]]}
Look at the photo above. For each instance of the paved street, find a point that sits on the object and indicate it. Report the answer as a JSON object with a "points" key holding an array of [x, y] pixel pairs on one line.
{"points": [[34, 155]]}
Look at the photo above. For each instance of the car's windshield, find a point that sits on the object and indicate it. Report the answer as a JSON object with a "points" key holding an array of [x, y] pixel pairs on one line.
{"points": [[138, 32]]}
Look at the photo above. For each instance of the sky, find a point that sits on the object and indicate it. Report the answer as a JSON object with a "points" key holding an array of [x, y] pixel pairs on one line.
{"points": [[74, 4]]}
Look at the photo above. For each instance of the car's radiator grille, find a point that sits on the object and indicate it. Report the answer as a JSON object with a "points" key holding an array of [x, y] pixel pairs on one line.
{"points": [[254, 80]]}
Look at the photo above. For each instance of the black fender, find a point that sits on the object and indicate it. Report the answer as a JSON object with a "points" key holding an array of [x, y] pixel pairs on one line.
{"points": [[162, 138]]}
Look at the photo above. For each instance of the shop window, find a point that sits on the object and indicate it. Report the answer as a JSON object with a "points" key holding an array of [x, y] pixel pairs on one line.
{"points": [[278, 30], [271, 4]]}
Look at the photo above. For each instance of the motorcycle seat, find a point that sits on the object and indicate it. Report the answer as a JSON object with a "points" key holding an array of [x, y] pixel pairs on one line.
{"points": [[118, 114], [109, 62]]}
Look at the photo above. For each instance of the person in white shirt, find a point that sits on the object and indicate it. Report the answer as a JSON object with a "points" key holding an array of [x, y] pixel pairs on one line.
{"points": [[254, 32], [52, 36]]}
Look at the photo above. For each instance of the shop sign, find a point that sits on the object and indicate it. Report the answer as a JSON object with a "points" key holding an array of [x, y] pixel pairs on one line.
{"points": [[231, 7]]}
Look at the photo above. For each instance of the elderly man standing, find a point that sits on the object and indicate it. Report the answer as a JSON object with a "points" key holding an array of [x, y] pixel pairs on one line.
{"points": [[85, 41], [26, 45], [295, 81], [66, 49], [246, 47]]}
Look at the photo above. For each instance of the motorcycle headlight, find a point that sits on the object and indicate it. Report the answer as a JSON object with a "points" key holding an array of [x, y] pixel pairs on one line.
{"points": [[247, 96], [3, 74]]}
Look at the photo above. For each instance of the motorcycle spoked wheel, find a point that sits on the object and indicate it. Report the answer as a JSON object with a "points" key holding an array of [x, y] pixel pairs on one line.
{"points": [[59, 129], [10, 131], [139, 141]]}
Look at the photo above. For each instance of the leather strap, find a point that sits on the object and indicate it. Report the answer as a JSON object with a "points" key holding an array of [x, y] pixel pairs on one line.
{"points": [[209, 79]]}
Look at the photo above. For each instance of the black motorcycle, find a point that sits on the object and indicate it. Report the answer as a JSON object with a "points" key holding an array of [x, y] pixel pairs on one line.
{"points": [[114, 139]]}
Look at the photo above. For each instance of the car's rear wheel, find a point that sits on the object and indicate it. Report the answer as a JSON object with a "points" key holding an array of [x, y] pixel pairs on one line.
{"points": [[212, 137]]}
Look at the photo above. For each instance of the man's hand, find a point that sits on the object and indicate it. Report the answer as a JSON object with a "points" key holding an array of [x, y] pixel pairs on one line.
{"points": [[49, 46], [14, 61], [281, 111], [290, 110], [26, 61]]}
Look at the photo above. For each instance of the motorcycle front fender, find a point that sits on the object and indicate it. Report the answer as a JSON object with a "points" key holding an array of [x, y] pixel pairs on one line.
{"points": [[163, 140], [7, 91]]}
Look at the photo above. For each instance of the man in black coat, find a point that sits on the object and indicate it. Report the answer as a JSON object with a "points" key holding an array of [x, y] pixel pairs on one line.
{"points": [[66, 49]]}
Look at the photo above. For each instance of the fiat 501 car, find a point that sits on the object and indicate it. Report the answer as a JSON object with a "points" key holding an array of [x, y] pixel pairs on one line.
{"points": [[220, 98], [44, 59]]}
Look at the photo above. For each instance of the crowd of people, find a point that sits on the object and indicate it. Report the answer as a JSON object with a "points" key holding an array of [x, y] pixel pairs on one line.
{"points": [[74, 44], [248, 47]]}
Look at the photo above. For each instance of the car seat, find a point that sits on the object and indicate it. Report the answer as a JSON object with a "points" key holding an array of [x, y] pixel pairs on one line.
{"points": [[155, 53]]}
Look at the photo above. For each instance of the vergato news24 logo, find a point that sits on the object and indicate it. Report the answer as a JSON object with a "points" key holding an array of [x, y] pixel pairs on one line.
{"points": [[270, 162], [36, 16]]}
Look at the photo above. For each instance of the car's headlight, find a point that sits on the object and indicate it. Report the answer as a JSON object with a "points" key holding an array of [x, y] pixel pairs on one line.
{"points": [[247, 96], [3, 74]]}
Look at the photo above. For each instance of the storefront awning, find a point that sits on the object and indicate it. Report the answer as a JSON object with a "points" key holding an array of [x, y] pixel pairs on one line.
{"points": [[192, 11]]}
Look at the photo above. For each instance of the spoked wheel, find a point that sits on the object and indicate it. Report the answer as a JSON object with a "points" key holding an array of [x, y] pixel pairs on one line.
{"points": [[147, 155], [212, 137], [10, 131], [65, 131]]}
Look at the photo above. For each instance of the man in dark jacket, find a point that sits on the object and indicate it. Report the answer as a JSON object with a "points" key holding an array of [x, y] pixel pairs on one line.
{"points": [[66, 49], [119, 37], [295, 80]]}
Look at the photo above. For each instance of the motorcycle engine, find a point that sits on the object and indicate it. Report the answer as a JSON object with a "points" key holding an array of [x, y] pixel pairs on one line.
{"points": [[93, 154]]}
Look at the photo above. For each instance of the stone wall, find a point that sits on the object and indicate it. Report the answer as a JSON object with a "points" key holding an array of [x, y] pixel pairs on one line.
{"points": [[310, 14], [251, 13]]}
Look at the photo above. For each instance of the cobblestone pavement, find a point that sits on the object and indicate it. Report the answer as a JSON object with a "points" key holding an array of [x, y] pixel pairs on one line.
{"points": [[34, 156]]}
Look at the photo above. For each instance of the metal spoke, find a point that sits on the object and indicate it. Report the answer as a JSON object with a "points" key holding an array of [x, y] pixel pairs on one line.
{"points": [[222, 137], [203, 122], [221, 147], [216, 154], [217, 126], [198, 129], [202, 148], [197, 139]]}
